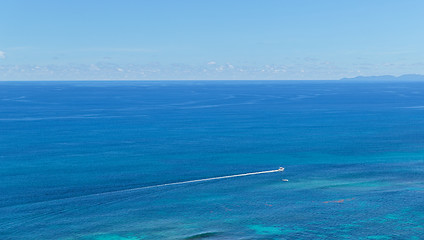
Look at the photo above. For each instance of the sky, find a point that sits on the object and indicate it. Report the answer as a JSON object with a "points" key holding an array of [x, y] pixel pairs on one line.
{"points": [[209, 39]]}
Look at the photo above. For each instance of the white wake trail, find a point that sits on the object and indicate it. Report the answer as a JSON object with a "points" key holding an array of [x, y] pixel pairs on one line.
{"points": [[200, 180], [281, 169]]}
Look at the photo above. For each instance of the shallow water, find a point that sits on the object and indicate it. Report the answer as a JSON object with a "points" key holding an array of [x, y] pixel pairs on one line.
{"points": [[353, 154]]}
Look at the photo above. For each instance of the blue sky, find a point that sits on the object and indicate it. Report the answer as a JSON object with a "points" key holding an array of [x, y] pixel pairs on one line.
{"points": [[209, 39]]}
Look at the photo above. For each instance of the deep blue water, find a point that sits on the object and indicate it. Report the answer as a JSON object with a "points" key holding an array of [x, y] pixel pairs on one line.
{"points": [[353, 154]]}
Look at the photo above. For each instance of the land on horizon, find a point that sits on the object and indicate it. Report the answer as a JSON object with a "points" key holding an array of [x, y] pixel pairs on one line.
{"points": [[381, 78], [405, 77]]}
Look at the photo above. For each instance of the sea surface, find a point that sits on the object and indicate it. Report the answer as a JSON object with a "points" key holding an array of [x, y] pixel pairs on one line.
{"points": [[75, 156]]}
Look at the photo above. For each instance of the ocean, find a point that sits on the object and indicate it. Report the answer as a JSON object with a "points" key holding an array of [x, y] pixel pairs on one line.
{"points": [[75, 157]]}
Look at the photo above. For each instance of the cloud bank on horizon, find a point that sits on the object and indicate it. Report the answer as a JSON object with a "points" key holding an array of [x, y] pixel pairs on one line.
{"points": [[155, 71], [190, 39]]}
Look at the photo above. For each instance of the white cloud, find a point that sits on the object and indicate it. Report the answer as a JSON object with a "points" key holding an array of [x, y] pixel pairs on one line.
{"points": [[2, 55], [211, 63], [145, 50], [228, 71]]}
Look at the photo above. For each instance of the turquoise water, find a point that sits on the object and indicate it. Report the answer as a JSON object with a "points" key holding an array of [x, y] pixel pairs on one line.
{"points": [[353, 154]]}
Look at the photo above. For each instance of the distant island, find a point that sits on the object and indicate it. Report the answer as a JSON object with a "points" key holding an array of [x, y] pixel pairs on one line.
{"points": [[406, 77]]}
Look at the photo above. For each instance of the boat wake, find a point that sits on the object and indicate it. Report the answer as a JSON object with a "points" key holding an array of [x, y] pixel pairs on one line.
{"points": [[281, 169]]}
